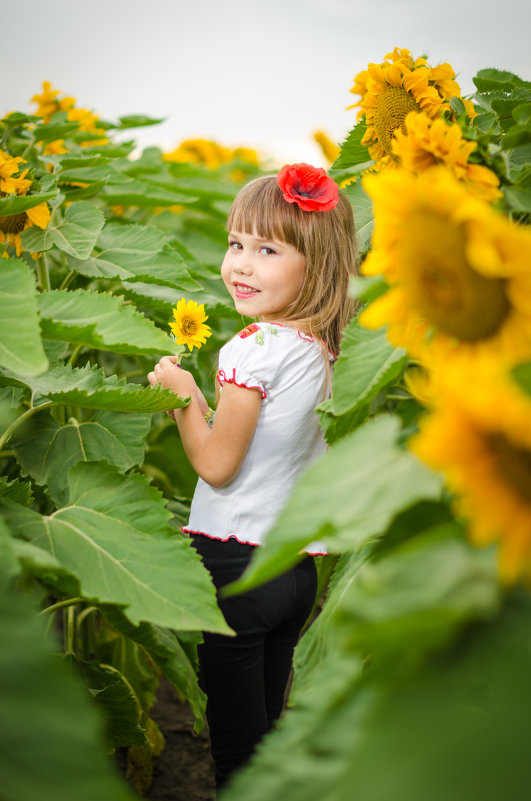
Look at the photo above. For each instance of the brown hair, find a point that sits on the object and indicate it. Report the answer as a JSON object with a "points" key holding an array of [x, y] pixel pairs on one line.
{"points": [[325, 238]]}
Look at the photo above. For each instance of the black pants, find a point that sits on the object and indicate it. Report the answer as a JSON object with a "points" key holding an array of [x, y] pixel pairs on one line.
{"points": [[245, 676]]}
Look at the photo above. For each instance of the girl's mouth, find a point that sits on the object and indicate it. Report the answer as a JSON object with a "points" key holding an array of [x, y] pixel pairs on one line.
{"points": [[244, 291]]}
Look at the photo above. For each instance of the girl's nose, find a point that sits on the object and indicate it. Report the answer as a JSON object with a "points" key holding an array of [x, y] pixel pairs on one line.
{"points": [[244, 266]]}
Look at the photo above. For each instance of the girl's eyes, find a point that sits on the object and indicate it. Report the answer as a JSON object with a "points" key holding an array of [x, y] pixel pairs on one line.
{"points": [[238, 246]]}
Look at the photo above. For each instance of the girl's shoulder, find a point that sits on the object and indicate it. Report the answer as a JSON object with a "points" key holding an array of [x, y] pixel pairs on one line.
{"points": [[289, 336]]}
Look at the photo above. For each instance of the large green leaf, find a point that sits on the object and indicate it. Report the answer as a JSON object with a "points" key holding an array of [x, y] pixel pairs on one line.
{"points": [[366, 365], [113, 535], [353, 153], [88, 387], [101, 321], [493, 80], [76, 235], [347, 497], [21, 348], [457, 727], [363, 214], [132, 252], [51, 744], [47, 450]]}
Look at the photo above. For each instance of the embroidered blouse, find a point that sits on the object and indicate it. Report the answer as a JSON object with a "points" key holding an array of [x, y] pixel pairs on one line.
{"points": [[288, 369]]}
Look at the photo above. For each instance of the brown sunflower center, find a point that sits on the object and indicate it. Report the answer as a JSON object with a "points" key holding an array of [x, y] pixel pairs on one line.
{"points": [[441, 285], [13, 224], [392, 107], [189, 326], [514, 464]]}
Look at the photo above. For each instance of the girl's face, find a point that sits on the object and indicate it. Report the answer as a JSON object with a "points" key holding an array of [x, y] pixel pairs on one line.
{"points": [[263, 276]]}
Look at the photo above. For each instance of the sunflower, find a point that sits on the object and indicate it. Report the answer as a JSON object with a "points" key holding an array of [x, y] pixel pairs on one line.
{"points": [[200, 151], [49, 103], [11, 184], [11, 226], [427, 142], [189, 327], [460, 285], [390, 90], [486, 457]]}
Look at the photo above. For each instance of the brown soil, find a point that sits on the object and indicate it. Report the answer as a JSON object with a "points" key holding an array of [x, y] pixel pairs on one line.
{"points": [[184, 770]]}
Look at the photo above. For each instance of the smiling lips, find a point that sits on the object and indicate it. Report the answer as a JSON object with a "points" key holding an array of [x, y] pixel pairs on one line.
{"points": [[244, 291]]}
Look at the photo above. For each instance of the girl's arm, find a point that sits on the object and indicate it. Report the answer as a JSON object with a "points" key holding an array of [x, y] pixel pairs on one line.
{"points": [[216, 453]]}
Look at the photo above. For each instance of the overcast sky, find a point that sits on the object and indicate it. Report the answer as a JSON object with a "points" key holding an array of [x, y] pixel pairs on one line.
{"points": [[261, 74]]}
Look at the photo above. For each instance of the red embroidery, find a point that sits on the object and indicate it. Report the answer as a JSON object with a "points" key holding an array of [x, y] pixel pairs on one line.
{"points": [[222, 378], [251, 329]]}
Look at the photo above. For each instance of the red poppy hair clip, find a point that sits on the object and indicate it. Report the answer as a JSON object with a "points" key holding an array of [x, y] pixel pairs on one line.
{"points": [[309, 187]]}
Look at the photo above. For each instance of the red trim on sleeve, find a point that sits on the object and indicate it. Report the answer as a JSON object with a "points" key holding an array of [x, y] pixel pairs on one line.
{"points": [[222, 378]]}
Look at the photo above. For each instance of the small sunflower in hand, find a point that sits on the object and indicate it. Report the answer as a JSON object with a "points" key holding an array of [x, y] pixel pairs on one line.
{"points": [[189, 327]]}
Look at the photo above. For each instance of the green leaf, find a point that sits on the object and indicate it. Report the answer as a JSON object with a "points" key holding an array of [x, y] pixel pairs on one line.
{"points": [[352, 151], [21, 347], [47, 450], [102, 321], [106, 173], [454, 728], [335, 428], [138, 121], [52, 131], [89, 388], [518, 161], [518, 199], [363, 214], [493, 80], [114, 537], [113, 695], [457, 106], [522, 114], [16, 204], [144, 194], [133, 252], [346, 498], [77, 235], [517, 136], [367, 364], [70, 160], [522, 375], [367, 289], [51, 746]]}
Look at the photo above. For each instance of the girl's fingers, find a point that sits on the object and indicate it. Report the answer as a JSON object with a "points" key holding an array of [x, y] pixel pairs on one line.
{"points": [[151, 378]]}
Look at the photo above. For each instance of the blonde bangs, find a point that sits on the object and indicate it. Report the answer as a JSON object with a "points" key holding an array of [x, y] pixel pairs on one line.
{"points": [[260, 207]]}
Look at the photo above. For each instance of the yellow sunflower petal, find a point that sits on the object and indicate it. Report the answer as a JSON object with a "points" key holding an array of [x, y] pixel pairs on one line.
{"points": [[39, 215]]}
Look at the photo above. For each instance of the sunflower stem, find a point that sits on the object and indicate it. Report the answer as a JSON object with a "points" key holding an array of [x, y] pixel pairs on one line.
{"points": [[43, 274], [67, 280], [75, 354]]}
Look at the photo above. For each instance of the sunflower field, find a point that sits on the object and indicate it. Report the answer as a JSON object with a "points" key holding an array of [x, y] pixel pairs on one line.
{"points": [[412, 682]]}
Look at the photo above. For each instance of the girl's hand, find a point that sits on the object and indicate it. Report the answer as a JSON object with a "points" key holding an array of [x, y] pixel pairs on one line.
{"points": [[168, 374]]}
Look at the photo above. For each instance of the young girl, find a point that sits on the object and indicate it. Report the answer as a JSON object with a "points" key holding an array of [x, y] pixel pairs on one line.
{"points": [[290, 255]]}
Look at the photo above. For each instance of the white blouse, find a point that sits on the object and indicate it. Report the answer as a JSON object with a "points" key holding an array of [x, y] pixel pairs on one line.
{"points": [[288, 368]]}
